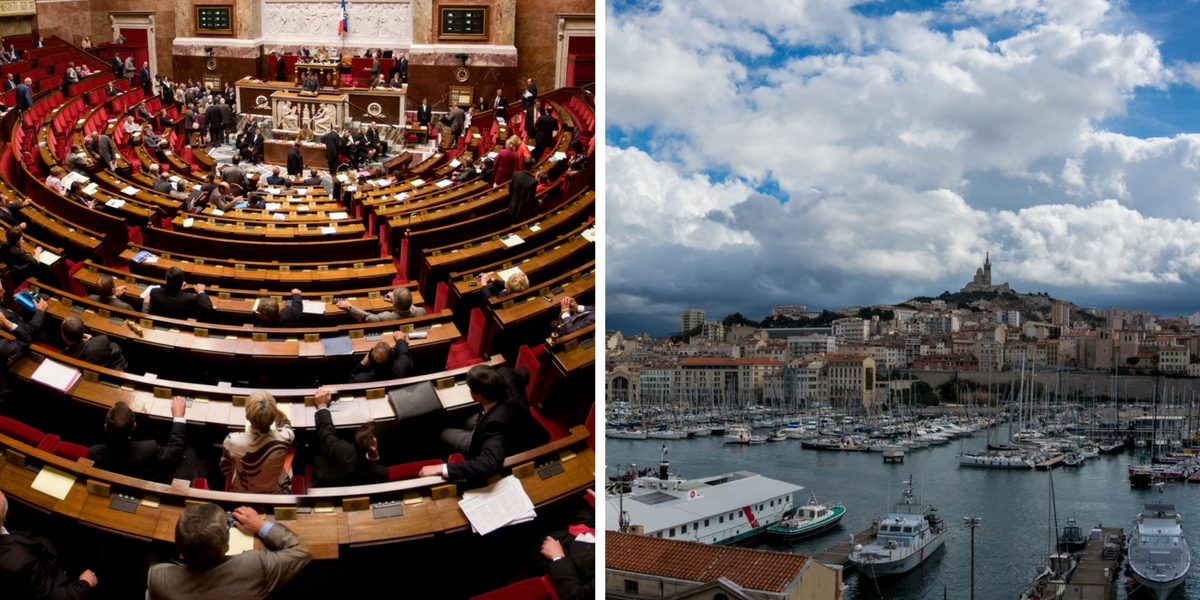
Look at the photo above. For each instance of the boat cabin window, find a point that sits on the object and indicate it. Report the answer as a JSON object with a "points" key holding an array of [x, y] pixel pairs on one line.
{"points": [[1175, 540], [787, 498], [908, 530], [1145, 539], [821, 512]]}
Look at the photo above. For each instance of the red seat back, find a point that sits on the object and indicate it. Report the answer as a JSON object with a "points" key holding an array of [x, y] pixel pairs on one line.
{"points": [[21, 431], [409, 470], [528, 589], [71, 451]]}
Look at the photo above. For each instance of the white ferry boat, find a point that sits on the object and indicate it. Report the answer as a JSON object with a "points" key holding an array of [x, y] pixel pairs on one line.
{"points": [[1158, 553], [722, 509], [910, 534], [737, 434]]}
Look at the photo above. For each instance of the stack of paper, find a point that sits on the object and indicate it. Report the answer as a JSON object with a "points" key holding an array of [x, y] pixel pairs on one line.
{"points": [[239, 542], [313, 307], [115, 203], [56, 375], [512, 240], [129, 190], [445, 183], [328, 230], [338, 216], [48, 258], [188, 222], [217, 212], [502, 503], [454, 163], [418, 182], [91, 188], [272, 206], [589, 234]]}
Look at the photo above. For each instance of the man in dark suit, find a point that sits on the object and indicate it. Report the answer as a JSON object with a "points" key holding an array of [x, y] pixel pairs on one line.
{"points": [[424, 113], [254, 146], [546, 127], [303, 52], [29, 567], [500, 104], [118, 66], [341, 462], [227, 121], [24, 333], [505, 427], [400, 67], [10, 83], [311, 83], [529, 101], [41, 43], [212, 114], [10, 212], [522, 193], [234, 174], [280, 68], [25, 95], [94, 349], [271, 315], [276, 177], [458, 119], [171, 300], [331, 139], [147, 81], [295, 162], [313, 178], [384, 362], [145, 459], [571, 556]]}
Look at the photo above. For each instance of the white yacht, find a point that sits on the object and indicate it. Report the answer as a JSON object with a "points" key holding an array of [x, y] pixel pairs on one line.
{"points": [[737, 434], [910, 534], [995, 460], [1158, 553]]}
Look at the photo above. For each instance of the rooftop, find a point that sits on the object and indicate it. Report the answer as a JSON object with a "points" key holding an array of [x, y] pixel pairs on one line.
{"points": [[764, 570]]}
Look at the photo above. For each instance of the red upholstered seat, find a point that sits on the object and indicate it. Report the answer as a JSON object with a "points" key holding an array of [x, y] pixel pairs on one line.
{"points": [[546, 581], [409, 470], [531, 360], [556, 430], [49, 442], [71, 451], [200, 483], [468, 351], [529, 589], [24, 433], [441, 300], [590, 423]]}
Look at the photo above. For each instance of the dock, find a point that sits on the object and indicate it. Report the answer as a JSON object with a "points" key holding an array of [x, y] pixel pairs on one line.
{"points": [[893, 456], [838, 555], [1096, 576], [1051, 462]]}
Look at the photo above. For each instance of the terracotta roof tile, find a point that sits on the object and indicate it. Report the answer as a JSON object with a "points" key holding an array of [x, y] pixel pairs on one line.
{"points": [[693, 561]]}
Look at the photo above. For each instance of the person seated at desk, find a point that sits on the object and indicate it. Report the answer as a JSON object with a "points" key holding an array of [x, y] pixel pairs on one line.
{"points": [[571, 557], [311, 84], [256, 459], [147, 459], [515, 284], [402, 308], [486, 171], [77, 161], [202, 539], [504, 428], [143, 114], [234, 174], [222, 197], [130, 126], [162, 183], [395, 83], [54, 180], [573, 316], [97, 350], [254, 146], [153, 142], [256, 200], [466, 171], [275, 178], [305, 135], [173, 301], [29, 567], [384, 362], [271, 315], [111, 90], [322, 54], [343, 463], [107, 292], [313, 178], [21, 264], [10, 212]]}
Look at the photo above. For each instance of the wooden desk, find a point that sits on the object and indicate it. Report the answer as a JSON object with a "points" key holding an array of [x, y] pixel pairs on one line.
{"points": [[299, 230], [308, 276], [359, 248], [573, 353], [276, 153]]}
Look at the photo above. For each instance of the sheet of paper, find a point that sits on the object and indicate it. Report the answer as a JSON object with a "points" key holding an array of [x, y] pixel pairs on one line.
{"points": [[52, 482], [115, 203], [302, 207], [418, 183], [505, 274], [445, 183], [239, 542], [188, 222], [218, 212], [273, 206], [91, 188], [272, 190], [153, 258], [455, 396], [589, 234], [402, 196], [301, 191], [149, 288], [512, 240], [328, 230], [497, 505], [314, 307], [535, 227], [56, 375], [48, 258], [339, 216], [129, 190], [454, 163]]}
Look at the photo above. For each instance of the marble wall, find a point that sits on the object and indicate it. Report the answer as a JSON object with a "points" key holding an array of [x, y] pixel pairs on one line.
{"points": [[73, 19], [537, 36], [70, 20]]}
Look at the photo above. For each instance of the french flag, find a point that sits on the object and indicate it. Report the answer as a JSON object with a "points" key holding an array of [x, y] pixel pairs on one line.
{"points": [[664, 449], [344, 24]]}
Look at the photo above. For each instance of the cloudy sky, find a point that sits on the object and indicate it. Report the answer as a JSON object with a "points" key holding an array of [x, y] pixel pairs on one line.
{"points": [[841, 152]]}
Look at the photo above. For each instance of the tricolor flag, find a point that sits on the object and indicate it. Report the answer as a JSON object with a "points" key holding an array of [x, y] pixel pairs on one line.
{"points": [[344, 23], [664, 449]]}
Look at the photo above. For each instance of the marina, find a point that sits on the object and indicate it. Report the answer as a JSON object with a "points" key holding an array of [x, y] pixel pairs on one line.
{"points": [[1010, 541]]}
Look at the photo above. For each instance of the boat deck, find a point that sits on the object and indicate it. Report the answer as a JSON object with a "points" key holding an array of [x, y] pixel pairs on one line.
{"points": [[1051, 463], [838, 555], [1091, 579]]}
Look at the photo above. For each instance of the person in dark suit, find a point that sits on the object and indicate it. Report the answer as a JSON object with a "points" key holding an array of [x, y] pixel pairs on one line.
{"points": [[146, 459], [29, 567], [107, 292], [400, 67], [295, 163], [275, 178], [500, 104], [117, 66], [212, 114], [280, 68], [424, 113], [171, 300], [25, 95], [522, 193], [254, 146], [227, 121], [40, 43], [529, 101], [313, 178], [303, 52], [10, 212], [24, 334], [571, 557], [547, 127], [457, 120], [331, 139], [384, 362], [144, 76], [94, 349], [21, 264], [504, 428], [311, 83], [10, 83], [163, 183], [341, 462], [271, 315], [103, 147]]}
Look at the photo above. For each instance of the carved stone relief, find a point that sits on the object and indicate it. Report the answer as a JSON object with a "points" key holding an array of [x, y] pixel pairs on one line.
{"points": [[385, 23]]}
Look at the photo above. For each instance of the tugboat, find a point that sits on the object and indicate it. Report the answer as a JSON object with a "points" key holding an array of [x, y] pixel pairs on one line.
{"points": [[1158, 552], [1072, 538], [908, 535], [808, 520]]}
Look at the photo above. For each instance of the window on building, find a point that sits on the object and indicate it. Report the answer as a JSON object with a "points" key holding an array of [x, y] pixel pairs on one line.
{"points": [[720, 596], [706, 522], [672, 532], [739, 514], [631, 586], [696, 526], [721, 519]]}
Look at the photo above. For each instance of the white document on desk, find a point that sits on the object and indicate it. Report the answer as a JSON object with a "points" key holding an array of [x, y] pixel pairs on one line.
{"points": [[48, 258], [56, 375], [239, 542], [457, 395], [313, 307], [502, 503]]}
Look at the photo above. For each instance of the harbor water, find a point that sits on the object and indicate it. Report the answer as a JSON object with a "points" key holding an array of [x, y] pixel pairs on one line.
{"points": [[1010, 543]]}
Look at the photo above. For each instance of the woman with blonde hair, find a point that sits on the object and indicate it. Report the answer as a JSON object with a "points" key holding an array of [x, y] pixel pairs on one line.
{"points": [[255, 460], [515, 284]]}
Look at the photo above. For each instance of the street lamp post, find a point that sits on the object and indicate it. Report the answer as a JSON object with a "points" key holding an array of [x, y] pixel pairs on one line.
{"points": [[972, 523]]}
